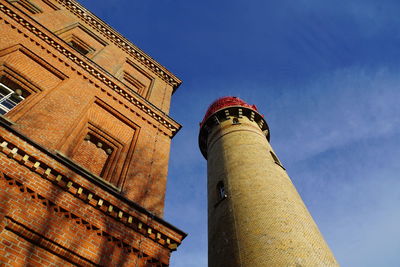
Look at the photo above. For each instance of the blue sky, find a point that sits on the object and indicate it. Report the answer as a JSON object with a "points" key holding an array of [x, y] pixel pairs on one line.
{"points": [[326, 76]]}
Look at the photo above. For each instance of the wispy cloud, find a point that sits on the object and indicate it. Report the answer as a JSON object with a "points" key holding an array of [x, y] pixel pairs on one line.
{"points": [[340, 108]]}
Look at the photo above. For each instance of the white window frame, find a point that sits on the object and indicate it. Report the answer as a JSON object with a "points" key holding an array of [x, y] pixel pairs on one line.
{"points": [[7, 97]]}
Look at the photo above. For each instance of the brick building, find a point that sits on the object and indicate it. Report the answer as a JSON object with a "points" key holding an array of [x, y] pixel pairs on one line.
{"points": [[84, 143]]}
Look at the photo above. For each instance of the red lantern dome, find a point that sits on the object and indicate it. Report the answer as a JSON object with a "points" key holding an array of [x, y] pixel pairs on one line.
{"points": [[223, 102]]}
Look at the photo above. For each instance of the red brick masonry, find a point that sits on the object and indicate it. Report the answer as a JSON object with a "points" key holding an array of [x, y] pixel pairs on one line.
{"points": [[46, 203], [84, 157]]}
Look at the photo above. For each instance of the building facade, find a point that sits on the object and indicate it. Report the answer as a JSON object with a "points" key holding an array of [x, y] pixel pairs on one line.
{"points": [[255, 215], [84, 143]]}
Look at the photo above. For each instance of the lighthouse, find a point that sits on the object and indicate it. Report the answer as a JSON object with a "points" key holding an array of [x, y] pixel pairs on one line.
{"points": [[255, 215]]}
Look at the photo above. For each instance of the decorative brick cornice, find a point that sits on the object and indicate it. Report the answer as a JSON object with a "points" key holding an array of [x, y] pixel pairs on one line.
{"points": [[107, 207], [155, 116], [121, 41]]}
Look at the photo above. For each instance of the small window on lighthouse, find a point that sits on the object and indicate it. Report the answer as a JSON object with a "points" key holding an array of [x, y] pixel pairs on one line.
{"points": [[235, 121], [221, 190], [276, 159]]}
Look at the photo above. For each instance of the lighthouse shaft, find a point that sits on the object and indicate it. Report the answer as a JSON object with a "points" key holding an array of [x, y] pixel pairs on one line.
{"points": [[255, 215]]}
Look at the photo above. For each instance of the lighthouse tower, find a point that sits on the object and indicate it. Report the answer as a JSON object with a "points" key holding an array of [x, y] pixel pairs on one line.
{"points": [[255, 215]]}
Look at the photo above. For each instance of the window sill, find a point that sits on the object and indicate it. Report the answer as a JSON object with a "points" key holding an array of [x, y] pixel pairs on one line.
{"points": [[219, 201], [280, 165], [6, 120]]}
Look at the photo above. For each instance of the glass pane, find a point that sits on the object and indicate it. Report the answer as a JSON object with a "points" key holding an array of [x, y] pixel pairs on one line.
{"points": [[16, 98], [4, 90], [8, 104]]}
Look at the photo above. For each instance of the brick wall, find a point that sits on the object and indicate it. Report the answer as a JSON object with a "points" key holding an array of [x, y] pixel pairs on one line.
{"points": [[67, 102], [84, 158], [51, 205]]}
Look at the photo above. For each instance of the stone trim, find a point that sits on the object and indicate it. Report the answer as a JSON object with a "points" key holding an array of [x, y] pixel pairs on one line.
{"points": [[121, 42], [71, 54], [49, 173]]}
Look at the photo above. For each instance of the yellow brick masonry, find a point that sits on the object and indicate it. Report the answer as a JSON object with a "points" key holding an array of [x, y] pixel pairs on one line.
{"points": [[263, 221]]}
